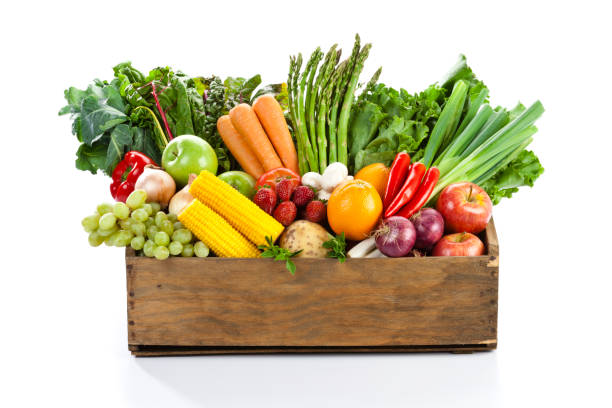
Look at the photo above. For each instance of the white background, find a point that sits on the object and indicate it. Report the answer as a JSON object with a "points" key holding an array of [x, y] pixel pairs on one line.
{"points": [[63, 303]]}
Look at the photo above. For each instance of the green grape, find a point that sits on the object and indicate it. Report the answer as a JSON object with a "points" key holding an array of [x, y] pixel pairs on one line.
{"points": [[126, 224], [112, 239], [159, 217], [140, 215], [136, 199], [156, 207], [150, 221], [200, 249], [121, 211], [148, 208], [90, 223], [172, 217], [175, 248], [161, 253], [148, 248], [104, 208], [108, 232], [95, 239], [151, 231], [161, 238], [187, 250], [182, 235], [123, 238], [138, 228], [167, 227], [177, 225], [107, 221], [137, 243]]}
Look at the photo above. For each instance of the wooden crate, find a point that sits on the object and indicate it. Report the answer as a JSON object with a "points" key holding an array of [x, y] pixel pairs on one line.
{"points": [[184, 306]]}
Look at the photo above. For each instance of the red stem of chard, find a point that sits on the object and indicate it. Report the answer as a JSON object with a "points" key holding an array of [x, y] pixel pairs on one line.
{"points": [[161, 111]]}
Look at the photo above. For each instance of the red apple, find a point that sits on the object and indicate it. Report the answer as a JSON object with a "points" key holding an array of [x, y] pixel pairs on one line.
{"points": [[465, 207], [459, 244]]}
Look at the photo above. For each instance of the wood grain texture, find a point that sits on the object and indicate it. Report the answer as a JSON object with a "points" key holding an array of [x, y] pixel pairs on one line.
{"points": [[215, 305]]}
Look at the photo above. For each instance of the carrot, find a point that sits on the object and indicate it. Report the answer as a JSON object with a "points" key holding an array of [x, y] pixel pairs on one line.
{"points": [[246, 123], [271, 116], [239, 147]]}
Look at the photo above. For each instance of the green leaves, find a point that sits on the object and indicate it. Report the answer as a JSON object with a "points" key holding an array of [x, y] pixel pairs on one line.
{"points": [[336, 247], [104, 127], [120, 138], [386, 121], [279, 254], [522, 171]]}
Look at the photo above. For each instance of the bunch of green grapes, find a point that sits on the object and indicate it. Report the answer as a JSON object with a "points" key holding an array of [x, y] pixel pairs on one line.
{"points": [[144, 227]]}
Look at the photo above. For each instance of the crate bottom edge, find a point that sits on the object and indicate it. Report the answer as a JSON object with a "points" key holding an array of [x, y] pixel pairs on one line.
{"points": [[158, 351]]}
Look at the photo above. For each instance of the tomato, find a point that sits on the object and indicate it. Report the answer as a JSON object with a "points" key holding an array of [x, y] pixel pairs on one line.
{"points": [[275, 175]]}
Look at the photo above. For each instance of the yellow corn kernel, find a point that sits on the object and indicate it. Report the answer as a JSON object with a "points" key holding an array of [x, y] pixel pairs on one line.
{"points": [[215, 232], [239, 211]]}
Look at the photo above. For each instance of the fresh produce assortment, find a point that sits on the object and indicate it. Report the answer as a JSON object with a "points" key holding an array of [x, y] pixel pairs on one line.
{"points": [[322, 165]]}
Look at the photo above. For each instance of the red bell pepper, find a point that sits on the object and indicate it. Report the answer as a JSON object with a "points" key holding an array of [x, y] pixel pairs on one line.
{"points": [[422, 194], [136, 162], [397, 176], [413, 180]]}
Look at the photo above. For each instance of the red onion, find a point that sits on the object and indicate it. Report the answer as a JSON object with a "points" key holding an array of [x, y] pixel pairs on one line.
{"points": [[395, 237], [429, 225]]}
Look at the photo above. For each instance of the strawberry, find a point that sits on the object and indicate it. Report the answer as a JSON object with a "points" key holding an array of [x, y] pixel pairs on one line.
{"points": [[302, 195], [265, 198], [315, 211], [284, 189], [285, 212]]}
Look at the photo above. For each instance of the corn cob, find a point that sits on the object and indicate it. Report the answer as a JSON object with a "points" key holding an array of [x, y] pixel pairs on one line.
{"points": [[215, 232], [239, 211]]}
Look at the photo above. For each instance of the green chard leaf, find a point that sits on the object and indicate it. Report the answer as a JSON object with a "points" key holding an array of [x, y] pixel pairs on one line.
{"points": [[120, 138]]}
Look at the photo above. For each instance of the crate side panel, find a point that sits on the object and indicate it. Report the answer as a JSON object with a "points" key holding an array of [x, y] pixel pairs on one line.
{"points": [[363, 302]]}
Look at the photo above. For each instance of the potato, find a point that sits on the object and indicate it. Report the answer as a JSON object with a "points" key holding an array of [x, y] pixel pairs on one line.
{"points": [[307, 236]]}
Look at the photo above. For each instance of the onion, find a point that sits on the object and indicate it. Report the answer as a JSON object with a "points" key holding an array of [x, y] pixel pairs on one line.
{"points": [[182, 198], [158, 184], [429, 225], [395, 237]]}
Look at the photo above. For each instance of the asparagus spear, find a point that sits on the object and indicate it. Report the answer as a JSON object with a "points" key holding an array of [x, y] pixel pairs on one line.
{"points": [[349, 96], [311, 139], [370, 85], [338, 96], [300, 124], [327, 80], [335, 89], [326, 68], [302, 162], [311, 96]]}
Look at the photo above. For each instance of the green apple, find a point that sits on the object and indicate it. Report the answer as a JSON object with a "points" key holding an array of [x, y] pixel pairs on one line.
{"points": [[188, 154], [241, 181]]}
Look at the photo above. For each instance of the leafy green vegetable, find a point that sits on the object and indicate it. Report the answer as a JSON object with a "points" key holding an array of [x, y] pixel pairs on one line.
{"points": [[336, 247], [103, 125], [522, 171], [469, 140], [279, 254], [386, 121], [138, 112]]}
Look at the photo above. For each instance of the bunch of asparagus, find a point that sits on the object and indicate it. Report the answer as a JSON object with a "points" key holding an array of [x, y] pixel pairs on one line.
{"points": [[320, 104]]}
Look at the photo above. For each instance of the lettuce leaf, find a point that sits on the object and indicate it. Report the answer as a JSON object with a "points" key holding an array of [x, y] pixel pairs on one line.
{"points": [[522, 171]]}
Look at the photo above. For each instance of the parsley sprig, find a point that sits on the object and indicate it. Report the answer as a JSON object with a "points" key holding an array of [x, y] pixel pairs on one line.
{"points": [[336, 247], [279, 254]]}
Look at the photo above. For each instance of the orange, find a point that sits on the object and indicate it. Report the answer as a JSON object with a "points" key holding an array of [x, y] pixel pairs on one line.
{"points": [[377, 174], [354, 208]]}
